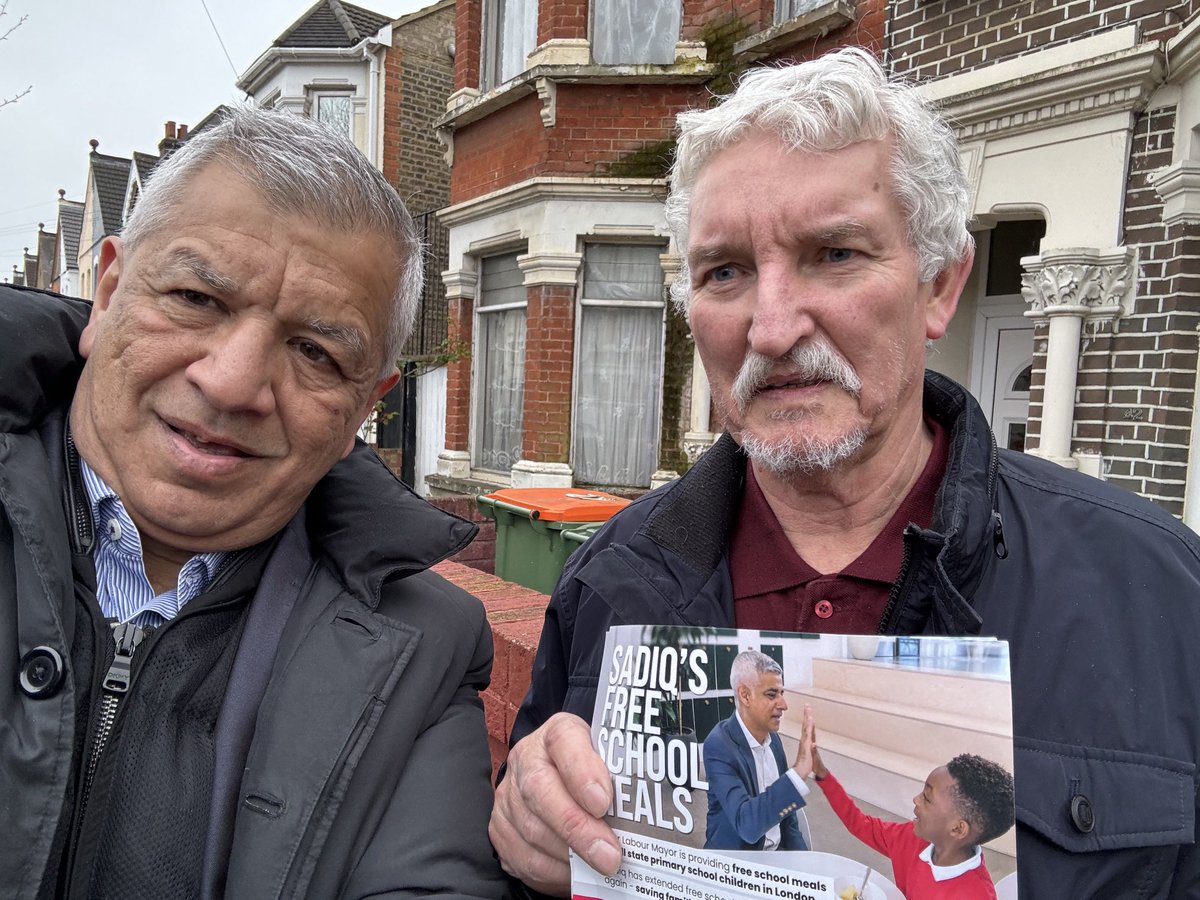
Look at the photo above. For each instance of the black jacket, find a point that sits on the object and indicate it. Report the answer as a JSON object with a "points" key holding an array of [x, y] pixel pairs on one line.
{"points": [[368, 770], [1096, 590]]}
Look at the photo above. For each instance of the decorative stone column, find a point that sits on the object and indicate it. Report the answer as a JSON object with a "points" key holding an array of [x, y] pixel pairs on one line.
{"points": [[699, 436], [455, 459], [1067, 287], [550, 280]]}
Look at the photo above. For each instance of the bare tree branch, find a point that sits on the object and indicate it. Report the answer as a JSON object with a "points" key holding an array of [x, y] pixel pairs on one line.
{"points": [[3, 13], [4, 37]]}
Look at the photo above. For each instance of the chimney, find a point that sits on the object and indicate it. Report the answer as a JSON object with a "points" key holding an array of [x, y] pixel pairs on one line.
{"points": [[181, 134], [171, 140]]}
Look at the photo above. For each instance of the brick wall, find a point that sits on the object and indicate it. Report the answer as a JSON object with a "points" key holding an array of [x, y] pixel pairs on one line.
{"points": [[1136, 387], [419, 77], [549, 351], [480, 554], [558, 19], [515, 614], [458, 376], [468, 32], [932, 38], [596, 125]]}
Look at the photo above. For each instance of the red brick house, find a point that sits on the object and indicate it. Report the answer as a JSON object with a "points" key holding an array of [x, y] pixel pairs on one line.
{"points": [[559, 134]]}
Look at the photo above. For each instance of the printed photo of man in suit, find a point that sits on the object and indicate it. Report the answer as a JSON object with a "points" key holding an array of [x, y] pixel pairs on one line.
{"points": [[754, 796]]}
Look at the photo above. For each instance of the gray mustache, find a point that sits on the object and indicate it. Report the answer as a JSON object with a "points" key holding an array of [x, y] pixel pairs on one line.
{"points": [[810, 361]]}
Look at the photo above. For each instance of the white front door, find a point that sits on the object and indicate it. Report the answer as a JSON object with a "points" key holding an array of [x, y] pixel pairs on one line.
{"points": [[1007, 366]]}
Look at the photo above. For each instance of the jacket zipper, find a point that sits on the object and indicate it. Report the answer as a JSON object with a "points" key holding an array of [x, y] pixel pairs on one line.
{"points": [[115, 686], [886, 625]]}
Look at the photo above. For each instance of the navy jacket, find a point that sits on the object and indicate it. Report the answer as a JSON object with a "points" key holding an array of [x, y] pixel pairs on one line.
{"points": [[739, 816], [1096, 590]]}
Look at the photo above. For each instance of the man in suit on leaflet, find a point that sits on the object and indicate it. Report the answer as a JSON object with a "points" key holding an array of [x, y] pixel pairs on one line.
{"points": [[754, 796]]}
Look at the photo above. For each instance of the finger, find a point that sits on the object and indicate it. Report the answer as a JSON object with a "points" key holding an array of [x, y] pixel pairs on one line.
{"points": [[568, 744], [556, 778], [528, 850]]}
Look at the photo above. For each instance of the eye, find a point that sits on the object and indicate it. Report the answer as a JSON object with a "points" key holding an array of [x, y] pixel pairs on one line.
{"points": [[722, 273], [839, 254], [313, 351], [194, 298]]}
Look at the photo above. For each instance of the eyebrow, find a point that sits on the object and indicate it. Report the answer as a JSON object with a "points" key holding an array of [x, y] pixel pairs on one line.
{"points": [[348, 336], [829, 234], [192, 262], [841, 231]]}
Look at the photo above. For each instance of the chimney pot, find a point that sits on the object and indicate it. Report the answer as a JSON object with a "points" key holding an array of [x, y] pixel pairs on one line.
{"points": [[169, 130], [181, 134]]}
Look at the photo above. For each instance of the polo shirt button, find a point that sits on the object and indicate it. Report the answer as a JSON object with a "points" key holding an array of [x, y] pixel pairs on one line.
{"points": [[824, 609], [1082, 813]]}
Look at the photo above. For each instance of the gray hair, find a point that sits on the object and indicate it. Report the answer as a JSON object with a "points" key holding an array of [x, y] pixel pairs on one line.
{"points": [[826, 104], [749, 666], [302, 168]]}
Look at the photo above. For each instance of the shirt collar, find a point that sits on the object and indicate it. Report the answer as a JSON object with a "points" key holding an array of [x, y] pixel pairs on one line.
{"points": [[751, 739], [945, 873], [123, 590]]}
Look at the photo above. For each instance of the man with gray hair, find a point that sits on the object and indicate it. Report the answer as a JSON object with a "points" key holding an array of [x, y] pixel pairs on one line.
{"points": [[821, 216], [229, 672], [754, 796]]}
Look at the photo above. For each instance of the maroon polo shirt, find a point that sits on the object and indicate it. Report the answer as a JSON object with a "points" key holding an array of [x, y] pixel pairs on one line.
{"points": [[774, 589]]}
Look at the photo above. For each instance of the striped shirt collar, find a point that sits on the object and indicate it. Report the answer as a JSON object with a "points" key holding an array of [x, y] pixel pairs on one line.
{"points": [[122, 588]]}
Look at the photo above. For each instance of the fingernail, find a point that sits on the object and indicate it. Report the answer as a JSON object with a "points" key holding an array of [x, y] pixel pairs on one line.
{"points": [[597, 799], [604, 857]]}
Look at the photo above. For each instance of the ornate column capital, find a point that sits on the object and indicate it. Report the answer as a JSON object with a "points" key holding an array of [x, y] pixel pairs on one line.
{"points": [[1080, 281]]}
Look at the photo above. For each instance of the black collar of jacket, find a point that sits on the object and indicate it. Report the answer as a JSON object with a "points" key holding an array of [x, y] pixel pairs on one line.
{"points": [[958, 544], [370, 525]]}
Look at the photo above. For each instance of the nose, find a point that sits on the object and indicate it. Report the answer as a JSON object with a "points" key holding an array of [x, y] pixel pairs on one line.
{"points": [[782, 704], [782, 310], [235, 371]]}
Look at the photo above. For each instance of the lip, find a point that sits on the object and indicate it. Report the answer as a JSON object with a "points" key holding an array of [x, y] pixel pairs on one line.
{"points": [[790, 382], [199, 448]]}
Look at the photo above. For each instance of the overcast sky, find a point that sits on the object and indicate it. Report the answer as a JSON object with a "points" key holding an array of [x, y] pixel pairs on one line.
{"points": [[116, 71]]}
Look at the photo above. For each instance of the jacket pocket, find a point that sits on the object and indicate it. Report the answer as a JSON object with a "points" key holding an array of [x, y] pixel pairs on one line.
{"points": [[1086, 799]]}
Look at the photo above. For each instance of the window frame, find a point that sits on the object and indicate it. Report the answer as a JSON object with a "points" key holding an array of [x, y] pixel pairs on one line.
{"points": [[479, 359], [582, 303]]}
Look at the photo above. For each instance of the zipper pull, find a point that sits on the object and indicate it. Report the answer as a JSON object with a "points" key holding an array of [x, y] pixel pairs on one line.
{"points": [[998, 536], [127, 637]]}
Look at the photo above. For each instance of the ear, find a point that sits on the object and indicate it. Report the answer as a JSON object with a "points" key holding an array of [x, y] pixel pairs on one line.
{"points": [[112, 253], [960, 830], [945, 290], [744, 693], [377, 393]]}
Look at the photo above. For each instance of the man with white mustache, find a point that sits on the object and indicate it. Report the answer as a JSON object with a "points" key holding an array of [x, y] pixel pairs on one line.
{"points": [[821, 216]]}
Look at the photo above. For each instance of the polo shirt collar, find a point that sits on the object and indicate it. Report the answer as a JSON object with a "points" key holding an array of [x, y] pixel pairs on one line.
{"points": [[945, 873]]}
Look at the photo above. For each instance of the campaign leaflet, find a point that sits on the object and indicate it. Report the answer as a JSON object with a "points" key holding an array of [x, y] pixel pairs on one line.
{"points": [[702, 816]]}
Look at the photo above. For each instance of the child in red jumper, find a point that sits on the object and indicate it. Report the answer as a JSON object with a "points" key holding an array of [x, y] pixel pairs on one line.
{"points": [[964, 804]]}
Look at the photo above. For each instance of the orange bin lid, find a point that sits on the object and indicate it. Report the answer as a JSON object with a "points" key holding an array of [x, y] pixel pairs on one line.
{"points": [[563, 504]]}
